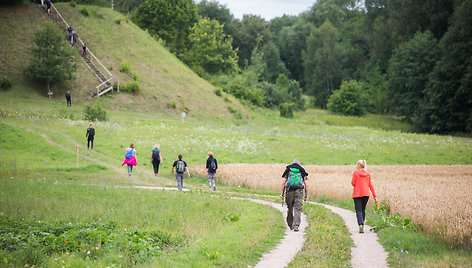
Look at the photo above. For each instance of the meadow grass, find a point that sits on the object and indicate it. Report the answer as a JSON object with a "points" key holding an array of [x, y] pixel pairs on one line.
{"points": [[218, 231]]}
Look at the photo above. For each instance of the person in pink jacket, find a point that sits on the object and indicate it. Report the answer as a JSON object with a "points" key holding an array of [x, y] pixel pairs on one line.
{"points": [[362, 183]]}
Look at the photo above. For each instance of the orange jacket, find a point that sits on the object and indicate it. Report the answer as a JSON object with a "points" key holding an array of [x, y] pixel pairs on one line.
{"points": [[362, 182]]}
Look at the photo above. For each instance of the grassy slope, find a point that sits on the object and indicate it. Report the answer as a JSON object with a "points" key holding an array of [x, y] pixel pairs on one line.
{"points": [[163, 78]]}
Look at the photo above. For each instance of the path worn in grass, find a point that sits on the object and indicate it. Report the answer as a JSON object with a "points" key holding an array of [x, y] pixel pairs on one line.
{"points": [[367, 251]]}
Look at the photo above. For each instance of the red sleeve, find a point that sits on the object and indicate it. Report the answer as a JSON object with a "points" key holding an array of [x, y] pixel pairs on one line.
{"points": [[371, 186], [353, 181]]}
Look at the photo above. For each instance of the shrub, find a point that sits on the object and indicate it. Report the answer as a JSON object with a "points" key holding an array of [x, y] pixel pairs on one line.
{"points": [[118, 21], [95, 112], [171, 105], [133, 86], [125, 67], [85, 11], [286, 109], [349, 99], [72, 4], [218, 92], [134, 76], [236, 112], [5, 82]]}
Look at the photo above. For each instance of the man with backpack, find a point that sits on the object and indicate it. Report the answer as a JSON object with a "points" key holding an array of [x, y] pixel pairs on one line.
{"points": [[90, 135], [180, 168], [211, 167], [294, 182]]}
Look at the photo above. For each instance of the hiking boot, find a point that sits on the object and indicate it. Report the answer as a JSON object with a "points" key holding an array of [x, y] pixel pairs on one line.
{"points": [[295, 228], [214, 188], [361, 229], [129, 173]]}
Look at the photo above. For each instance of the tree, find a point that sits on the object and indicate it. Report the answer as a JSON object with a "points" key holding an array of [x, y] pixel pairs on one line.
{"points": [[408, 72], [274, 66], [211, 49], [324, 10], [323, 63], [251, 32], [291, 42], [349, 99], [168, 19], [447, 105], [216, 11], [52, 59]]}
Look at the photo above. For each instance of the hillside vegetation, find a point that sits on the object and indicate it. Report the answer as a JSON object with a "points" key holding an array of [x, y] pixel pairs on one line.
{"points": [[167, 85]]}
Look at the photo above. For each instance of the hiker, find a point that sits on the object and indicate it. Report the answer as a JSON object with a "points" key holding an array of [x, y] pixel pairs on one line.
{"points": [[69, 102], [69, 33], [130, 158], [90, 135], [74, 38], [180, 168], [84, 50], [48, 6], [211, 167], [156, 158], [362, 183], [294, 182]]}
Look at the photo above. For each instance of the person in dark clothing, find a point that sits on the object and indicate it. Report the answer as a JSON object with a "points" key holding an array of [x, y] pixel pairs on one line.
{"points": [[69, 102], [180, 169], [48, 6], [90, 136], [156, 159], [211, 167], [294, 182], [84, 50]]}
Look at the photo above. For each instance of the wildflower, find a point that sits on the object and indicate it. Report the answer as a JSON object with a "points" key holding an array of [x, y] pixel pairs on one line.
{"points": [[401, 251], [88, 252], [407, 252], [65, 241]]}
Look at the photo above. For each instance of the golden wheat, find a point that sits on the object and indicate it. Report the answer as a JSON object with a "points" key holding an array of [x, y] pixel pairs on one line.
{"points": [[437, 197]]}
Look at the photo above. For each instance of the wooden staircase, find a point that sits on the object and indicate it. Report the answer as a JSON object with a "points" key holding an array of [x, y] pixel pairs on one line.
{"points": [[90, 60]]}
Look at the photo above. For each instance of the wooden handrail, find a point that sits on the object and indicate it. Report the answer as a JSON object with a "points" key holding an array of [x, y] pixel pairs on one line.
{"points": [[88, 49]]}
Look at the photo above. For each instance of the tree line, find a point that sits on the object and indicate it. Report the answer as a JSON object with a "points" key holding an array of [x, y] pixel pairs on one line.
{"points": [[409, 58]]}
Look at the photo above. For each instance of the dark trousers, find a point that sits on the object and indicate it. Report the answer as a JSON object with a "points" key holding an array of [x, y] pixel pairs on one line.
{"points": [[360, 203], [90, 140], [69, 102], [155, 164], [294, 200]]}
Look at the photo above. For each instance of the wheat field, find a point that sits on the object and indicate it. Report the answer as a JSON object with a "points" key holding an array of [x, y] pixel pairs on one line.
{"points": [[435, 196]]}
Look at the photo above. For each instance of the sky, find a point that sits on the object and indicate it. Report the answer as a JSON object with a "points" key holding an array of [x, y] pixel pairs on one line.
{"points": [[267, 9]]}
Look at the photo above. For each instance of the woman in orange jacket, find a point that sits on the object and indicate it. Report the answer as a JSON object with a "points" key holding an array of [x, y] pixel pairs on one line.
{"points": [[362, 183]]}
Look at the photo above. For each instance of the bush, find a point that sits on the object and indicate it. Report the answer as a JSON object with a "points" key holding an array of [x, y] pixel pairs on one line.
{"points": [[85, 11], [286, 109], [72, 4], [236, 112], [349, 99], [133, 86], [5, 82], [171, 105], [118, 21], [134, 76], [218, 92], [95, 112], [125, 67]]}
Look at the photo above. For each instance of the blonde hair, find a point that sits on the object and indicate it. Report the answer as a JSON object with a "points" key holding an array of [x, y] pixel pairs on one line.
{"points": [[210, 153], [156, 146], [362, 163]]}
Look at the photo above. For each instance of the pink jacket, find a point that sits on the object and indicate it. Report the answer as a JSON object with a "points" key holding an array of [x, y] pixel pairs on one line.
{"points": [[362, 183]]}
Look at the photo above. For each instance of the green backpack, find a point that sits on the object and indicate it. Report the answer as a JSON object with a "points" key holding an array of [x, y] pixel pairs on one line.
{"points": [[294, 179]]}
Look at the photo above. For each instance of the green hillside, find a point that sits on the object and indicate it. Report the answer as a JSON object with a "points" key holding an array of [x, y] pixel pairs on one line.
{"points": [[164, 80]]}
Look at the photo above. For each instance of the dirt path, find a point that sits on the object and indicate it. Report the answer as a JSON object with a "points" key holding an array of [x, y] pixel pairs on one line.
{"points": [[367, 251], [288, 247]]}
